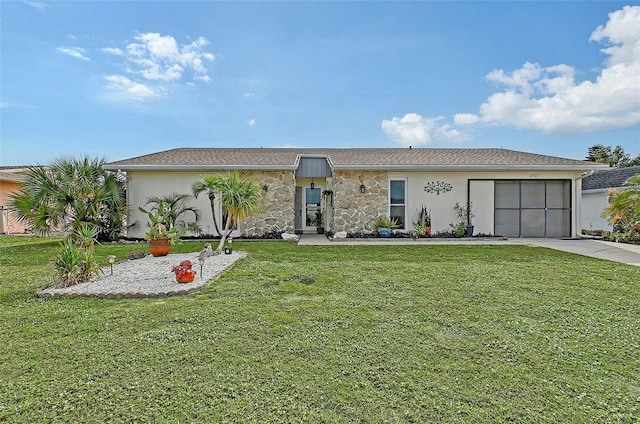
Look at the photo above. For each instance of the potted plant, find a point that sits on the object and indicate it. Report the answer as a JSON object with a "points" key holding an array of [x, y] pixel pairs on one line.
{"points": [[319, 226], [162, 234], [184, 273], [422, 224], [385, 225], [465, 219]]}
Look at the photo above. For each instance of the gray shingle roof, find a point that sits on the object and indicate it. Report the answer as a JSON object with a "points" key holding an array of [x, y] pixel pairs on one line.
{"points": [[611, 178], [378, 158]]}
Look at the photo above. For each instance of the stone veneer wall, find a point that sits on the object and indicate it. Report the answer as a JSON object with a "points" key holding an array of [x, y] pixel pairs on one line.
{"points": [[277, 213], [355, 211]]}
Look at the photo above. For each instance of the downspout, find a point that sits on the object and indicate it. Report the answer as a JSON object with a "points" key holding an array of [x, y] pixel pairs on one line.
{"points": [[578, 208]]}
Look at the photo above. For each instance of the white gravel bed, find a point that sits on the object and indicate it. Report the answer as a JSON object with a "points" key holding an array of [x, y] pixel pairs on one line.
{"points": [[147, 277]]}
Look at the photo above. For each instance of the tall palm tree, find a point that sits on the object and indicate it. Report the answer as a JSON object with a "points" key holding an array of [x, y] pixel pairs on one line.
{"points": [[70, 193], [208, 184], [178, 208], [238, 195]]}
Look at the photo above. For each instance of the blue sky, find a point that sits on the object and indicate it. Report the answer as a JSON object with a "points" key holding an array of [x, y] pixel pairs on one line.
{"points": [[121, 79]]}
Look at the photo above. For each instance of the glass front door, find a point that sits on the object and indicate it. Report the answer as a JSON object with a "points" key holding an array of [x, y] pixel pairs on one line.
{"points": [[313, 210]]}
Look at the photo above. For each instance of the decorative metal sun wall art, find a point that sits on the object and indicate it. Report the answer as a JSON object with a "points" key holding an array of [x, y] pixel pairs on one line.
{"points": [[437, 187]]}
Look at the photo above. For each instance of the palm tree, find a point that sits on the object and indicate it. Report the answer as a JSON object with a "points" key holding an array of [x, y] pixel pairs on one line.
{"points": [[624, 207], [208, 184], [177, 203], [70, 193], [239, 197]]}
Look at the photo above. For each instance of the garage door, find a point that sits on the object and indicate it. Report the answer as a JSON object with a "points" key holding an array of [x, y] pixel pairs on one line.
{"points": [[525, 208]]}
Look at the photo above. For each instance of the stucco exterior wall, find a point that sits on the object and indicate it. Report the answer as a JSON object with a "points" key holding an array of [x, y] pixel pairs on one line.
{"points": [[593, 203], [8, 223]]}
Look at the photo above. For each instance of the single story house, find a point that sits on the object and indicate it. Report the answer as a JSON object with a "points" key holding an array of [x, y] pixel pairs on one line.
{"points": [[512, 193], [10, 179], [595, 198]]}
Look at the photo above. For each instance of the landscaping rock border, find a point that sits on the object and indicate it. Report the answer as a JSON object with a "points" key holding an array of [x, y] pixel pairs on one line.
{"points": [[146, 277]]}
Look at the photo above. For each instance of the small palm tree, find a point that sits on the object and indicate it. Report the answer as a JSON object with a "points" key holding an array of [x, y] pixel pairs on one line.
{"points": [[70, 193], [177, 205], [208, 184], [624, 207], [239, 197]]}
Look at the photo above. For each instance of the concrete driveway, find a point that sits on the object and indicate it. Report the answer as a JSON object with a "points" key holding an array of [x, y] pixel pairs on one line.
{"points": [[617, 252]]}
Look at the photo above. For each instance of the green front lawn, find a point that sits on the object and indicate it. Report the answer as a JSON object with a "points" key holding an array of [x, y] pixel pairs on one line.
{"points": [[331, 334]]}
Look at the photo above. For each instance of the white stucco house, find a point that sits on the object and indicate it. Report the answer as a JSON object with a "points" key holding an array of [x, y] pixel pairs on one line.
{"points": [[512, 193], [595, 198]]}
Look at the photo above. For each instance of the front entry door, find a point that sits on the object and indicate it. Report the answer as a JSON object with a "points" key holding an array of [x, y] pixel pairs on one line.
{"points": [[312, 207]]}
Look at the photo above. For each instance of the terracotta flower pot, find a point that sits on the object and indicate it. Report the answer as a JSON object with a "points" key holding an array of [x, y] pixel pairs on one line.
{"points": [[160, 247], [185, 277]]}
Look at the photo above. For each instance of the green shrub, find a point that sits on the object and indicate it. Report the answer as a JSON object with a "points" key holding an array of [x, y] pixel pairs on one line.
{"points": [[76, 261], [385, 222]]}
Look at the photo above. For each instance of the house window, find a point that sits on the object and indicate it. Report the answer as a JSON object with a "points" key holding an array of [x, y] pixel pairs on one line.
{"points": [[397, 201]]}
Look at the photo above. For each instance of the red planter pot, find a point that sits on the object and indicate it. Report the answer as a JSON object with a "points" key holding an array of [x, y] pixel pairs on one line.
{"points": [[185, 277], [160, 247]]}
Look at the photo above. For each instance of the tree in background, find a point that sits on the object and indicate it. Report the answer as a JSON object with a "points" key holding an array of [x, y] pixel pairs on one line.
{"points": [[69, 194], [615, 158]]}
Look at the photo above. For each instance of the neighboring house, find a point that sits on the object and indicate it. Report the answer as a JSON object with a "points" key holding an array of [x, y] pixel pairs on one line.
{"points": [[595, 198], [514, 194], [10, 179]]}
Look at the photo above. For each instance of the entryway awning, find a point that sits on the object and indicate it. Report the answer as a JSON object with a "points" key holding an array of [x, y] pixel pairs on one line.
{"points": [[313, 167]]}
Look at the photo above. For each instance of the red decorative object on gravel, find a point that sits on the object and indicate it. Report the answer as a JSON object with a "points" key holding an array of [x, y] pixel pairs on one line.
{"points": [[184, 273]]}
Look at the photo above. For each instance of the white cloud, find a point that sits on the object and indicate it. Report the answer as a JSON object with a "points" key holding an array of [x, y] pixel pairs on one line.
{"points": [[248, 95], [154, 60], [10, 104], [465, 119], [204, 78], [76, 52], [161, 58], [113, 50], [548, 99], [120, 88], [252, 122], [415, 130], [38, 5]]}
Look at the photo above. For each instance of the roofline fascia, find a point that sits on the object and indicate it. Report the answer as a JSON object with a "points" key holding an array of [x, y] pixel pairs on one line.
{"points": [[577, 168], [257, 167], [594, 191], [604, 190], [198, 167]]}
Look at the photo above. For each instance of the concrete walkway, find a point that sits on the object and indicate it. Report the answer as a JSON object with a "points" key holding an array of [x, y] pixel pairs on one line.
{"points": [[617, 252]]}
